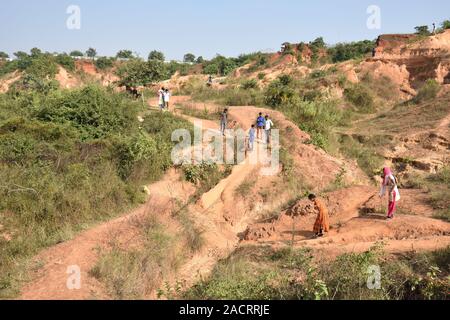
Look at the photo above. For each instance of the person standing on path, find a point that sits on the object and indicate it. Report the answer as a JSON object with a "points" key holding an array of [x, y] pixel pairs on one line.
{"points": [[390, 185], [161, 102], [251, 138], [224, 121], [268, 129], [322, 223], [260, 125], [167, 98]]}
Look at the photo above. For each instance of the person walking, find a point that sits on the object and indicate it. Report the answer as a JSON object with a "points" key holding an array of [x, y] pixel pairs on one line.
{"points": [[251, 138], [224, 121], [167, 99], [161, 102], [268, 129], [260, 125], [322, 223], [389, 185]]}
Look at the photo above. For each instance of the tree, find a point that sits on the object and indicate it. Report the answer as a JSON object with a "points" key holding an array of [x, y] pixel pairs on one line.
{"points": [[200, 60], [35, 52], [422, 30], [318, 43], [446, 24], [3, 55], [21, 55], [76, 53], [91, 53], [156, 55], [104, 63], [124, 54], [189, 58], [136, 72]]}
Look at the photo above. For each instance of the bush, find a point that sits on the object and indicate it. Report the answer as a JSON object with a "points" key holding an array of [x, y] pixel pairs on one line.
{"points": [[428, 91], [280, 92], [69, 159], [249, 84], [361, 98], [104, 63], [348, 51], [66, 61]]}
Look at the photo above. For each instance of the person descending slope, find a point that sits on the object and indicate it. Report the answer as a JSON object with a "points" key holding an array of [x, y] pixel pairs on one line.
{"points": [[260, 125], [322, 223], [224, 121], [251, 138], [389, 184], [268, 129]]}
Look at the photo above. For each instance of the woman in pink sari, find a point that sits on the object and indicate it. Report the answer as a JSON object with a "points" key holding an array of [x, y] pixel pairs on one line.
{"points": [[390, 185]]}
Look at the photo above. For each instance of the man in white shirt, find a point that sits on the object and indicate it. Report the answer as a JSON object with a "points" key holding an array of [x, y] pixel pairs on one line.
{"points": [[268, 129], [167, 99], [161, 102]]}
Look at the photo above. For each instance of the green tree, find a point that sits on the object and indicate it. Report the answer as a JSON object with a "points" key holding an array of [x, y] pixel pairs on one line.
{"points": [[35, 52], [189, 57], [200, 60], [136, 72], [156, 55], [91, 53], [124, 54], [3, 55], [422, 30], [66, 61], [104, 63], [318, 43], [446, 24], [76, 53]]}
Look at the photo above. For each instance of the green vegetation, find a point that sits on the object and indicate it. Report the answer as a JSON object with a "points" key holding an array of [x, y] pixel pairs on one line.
{"points": [[76, 53], [348, 51], [360, 97], [124, 54], [428, 91], [189, 58], [262, 273], [156, 55], [438, 187], [135, 273], [69, 159], [104, 63], [136, 72], [422, 30], [91, 53], [206, 176]]}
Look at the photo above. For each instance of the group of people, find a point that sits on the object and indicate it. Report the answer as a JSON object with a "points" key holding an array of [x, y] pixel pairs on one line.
{"points": [[389, 186], [164, 99], [262, 127]]}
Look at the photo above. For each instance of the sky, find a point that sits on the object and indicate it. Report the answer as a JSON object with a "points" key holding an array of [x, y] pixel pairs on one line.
{"points": [[206, 28]]}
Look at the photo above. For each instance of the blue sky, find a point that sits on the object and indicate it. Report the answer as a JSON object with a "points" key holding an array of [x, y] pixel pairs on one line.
{"points": [[203, 27]]}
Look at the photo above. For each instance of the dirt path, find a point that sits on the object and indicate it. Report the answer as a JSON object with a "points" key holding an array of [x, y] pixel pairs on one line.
{"points": [[224, 224], [50, 281]]}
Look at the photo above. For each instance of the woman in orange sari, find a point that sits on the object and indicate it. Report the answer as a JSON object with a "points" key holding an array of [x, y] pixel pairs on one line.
{"points": [[322, 222]]}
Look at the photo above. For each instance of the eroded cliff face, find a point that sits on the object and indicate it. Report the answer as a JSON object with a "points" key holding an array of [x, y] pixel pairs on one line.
{"points": [[423, 57]]}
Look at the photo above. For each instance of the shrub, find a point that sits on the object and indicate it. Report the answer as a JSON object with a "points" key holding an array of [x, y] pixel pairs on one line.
{"points": [[104, 63], [428, 91], [249, 84], [361, 98], [280, 92], [348, 51], [66, 61]]}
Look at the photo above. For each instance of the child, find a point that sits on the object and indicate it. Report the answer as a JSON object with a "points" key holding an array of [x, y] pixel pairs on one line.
{"points": [[167, 99], [268, 129], [251, 138], [322, 222]]}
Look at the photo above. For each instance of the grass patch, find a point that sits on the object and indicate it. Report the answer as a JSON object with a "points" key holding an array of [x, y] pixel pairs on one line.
{"points": [[291, 274]]}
